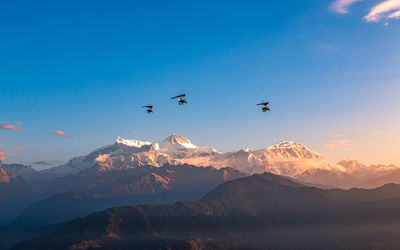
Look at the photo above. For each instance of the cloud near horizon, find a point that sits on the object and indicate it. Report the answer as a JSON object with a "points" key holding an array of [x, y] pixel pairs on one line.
{"points": [[60, 133], [386, 9], [342, 6], [338, 143], [8, 126], [2, 155], [17, 149]]}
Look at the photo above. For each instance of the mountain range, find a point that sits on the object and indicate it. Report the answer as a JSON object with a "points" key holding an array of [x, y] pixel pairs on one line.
{"points": [[133, 172], [285, 158], [258, 212]]}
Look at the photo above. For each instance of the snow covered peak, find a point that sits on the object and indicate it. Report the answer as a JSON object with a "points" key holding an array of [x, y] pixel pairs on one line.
{"points": [[132, 143], [285, 144], [289, 145], [291, 149], [176, 141]]}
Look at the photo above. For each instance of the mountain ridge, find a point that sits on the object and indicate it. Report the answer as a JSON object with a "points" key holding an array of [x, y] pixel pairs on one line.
{"points": [[286, 158], [260, 205]]}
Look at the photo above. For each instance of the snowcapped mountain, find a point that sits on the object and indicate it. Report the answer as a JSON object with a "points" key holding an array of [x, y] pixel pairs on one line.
{"points": [[290, 150], [286, 158], [125, 154], [176, 142]]}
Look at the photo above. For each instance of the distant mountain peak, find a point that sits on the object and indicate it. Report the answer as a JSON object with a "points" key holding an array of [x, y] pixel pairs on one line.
{"points": [[131, 143], [286, 144], [294, 146], [177, 140]]}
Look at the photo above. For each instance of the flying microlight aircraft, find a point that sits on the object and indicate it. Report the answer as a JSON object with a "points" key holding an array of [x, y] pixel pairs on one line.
{"points": [[265, 108], [181, 99], [149, 109]]}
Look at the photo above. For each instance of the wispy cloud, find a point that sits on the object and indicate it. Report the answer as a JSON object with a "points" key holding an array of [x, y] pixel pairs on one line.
{"points": [[17, 149], [2, 155], [379, 132], [385, 9], [342, 6], [342, 142], [135, 131], [338, 136], [8, 126], [19, 123], [338, 143], [60, 133], [330, 145], [395, 15]]}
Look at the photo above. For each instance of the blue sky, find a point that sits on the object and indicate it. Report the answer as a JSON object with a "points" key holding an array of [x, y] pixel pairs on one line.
{"points": [[330, 72]]}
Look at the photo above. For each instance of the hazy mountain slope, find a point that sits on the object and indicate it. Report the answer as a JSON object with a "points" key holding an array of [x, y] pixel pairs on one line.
{"points": [[115, 188], [56, 209], [27, 172], [151, 185], [355, 195], [142, 180], [393, 177], [15, 194], [261, 210], [102, 190]]}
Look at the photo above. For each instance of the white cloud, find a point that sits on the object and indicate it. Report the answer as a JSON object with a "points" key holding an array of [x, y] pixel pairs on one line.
{"points": [[381, 10], [395, 15], [342, 6]]}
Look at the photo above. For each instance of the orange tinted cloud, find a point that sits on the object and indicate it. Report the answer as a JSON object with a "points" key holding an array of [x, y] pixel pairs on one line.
{"points": [[19, 123], [17, 149], [342, 142], [8, 126], [60, 133], [337, 143], [330, 145], [381, 10], [2, 155]]}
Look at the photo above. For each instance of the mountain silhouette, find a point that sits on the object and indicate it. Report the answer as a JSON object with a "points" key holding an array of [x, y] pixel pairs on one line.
{"points": [[260, 211]]}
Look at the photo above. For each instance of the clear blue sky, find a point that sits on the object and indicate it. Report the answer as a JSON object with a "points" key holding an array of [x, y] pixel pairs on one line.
{"points": [[86, 67]]}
